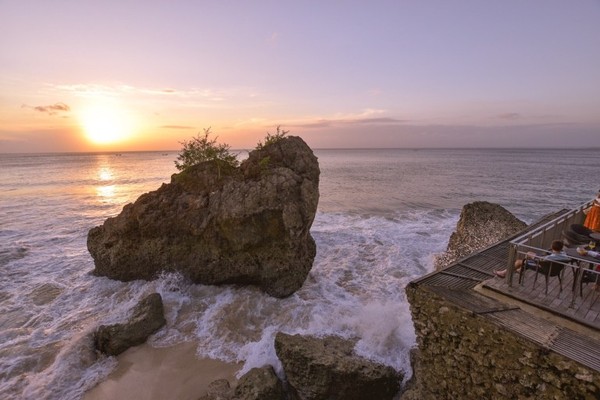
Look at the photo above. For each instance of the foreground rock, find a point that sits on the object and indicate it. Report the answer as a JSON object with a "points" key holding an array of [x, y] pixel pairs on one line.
{"points": [[221, 225], [327, 368], [481, 224], [257, 384], [147, 318]]}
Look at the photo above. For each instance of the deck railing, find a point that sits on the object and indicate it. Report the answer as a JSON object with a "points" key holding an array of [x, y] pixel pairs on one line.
{"points": [[540, 239]]}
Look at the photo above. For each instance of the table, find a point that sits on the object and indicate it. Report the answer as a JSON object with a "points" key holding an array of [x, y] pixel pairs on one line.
{"points": [[579, 258]]}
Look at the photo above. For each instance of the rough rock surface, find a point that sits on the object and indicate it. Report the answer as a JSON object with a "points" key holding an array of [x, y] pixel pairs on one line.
{"points": [[257, 384], [481, 224], [327, 368], [147, 318], [218, 390], [221, 225]]}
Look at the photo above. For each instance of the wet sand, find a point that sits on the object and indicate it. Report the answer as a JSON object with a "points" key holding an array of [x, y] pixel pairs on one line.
{"points": [[151, 373]]}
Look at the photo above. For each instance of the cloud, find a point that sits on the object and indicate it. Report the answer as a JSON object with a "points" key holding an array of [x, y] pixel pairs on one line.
{"points": [[177, 127], [52, 109], [382, 120], [510, 116], [345, 121], [119, 90]]}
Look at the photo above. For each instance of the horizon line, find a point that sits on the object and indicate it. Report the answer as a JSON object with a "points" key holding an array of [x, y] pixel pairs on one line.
{"points": [[314, 149]]}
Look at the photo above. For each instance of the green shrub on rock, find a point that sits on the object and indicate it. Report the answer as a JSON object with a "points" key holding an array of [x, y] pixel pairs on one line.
{"points": [[272, 138], [200, 149]]}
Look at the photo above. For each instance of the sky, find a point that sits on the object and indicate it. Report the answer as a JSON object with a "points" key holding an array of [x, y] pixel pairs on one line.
{"points": [[147, 75]]}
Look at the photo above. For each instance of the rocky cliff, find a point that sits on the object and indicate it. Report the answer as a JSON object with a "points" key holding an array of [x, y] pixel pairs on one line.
{"points": [[221, 225], [481, 224]]}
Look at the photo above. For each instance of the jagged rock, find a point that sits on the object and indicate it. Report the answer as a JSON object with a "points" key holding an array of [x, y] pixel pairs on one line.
{"points": [[259, 384], [147, 318], [256, 384], [327, 368], [218, 390], [481, 224], [221, 225]]}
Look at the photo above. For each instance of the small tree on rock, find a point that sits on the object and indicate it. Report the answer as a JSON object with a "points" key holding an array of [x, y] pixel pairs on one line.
{"points": [[201, 148], [272, 138]]}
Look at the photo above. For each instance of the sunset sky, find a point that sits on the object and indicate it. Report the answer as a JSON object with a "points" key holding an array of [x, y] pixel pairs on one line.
{"points": [[145, 75]]}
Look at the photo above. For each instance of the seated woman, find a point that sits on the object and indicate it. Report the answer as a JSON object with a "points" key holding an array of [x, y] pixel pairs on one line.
{"points": [[592, 220], [557, 254]]}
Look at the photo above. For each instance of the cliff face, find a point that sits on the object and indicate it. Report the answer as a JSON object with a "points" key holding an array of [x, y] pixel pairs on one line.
{"points": [[217, 224], [481, 224]]}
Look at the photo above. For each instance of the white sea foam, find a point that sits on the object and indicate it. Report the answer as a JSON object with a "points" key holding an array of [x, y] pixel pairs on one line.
{"points": [[355, 290]]}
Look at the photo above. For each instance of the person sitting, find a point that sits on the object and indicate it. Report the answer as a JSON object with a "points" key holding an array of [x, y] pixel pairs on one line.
{"points": [[556, 254], [589, 276], [590, 253], [592, 220]]}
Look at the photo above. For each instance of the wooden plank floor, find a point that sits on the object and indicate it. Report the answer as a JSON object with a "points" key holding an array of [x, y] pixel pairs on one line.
{"points": [[584, 308]]}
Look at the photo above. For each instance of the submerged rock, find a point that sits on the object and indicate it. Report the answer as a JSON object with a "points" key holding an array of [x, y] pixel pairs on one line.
{"points": [[147, 318], [481, 224], [327, 368], [221, 225]]}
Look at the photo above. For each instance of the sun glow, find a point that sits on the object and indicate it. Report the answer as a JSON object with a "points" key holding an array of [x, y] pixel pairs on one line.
{"points": [[106, 124]]}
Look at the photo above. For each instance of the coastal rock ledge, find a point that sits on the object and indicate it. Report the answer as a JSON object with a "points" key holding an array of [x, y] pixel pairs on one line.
{"points": [[218, 224], [481, 224]]}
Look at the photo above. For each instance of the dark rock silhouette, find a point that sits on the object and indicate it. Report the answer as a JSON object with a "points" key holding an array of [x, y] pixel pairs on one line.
{"points": [[327, 368], [481, 224], [147, 318], [218, 224]]}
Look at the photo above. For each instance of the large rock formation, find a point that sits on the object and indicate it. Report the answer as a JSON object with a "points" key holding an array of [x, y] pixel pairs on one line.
{"points": [[147, 318], [217, 224], [481, 224], [327, 368]]}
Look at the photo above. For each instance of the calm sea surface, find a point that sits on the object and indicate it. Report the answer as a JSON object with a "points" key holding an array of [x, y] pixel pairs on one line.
{"points": [[382, 216]]}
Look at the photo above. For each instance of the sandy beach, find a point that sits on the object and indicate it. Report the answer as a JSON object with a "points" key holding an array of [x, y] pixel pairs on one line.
{"points": [[151, 373]]}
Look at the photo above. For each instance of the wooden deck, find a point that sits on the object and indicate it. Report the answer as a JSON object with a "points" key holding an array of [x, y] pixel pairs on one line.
{"points": [[554, 320], [583, 308]]}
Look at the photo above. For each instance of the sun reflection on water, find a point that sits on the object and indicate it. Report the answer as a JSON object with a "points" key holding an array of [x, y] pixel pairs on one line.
{"points": [[106, 189], [105, 174], [108, 192]]}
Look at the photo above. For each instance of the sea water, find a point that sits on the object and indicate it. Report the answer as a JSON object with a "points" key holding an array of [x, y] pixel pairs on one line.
{"points": [[382, 217]]}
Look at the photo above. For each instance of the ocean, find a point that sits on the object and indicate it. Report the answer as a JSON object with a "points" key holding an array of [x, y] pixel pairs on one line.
{"points": [[382, 217]]}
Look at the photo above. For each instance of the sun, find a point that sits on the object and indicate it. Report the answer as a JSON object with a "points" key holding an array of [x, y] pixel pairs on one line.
{"points": [[105, 123]]}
